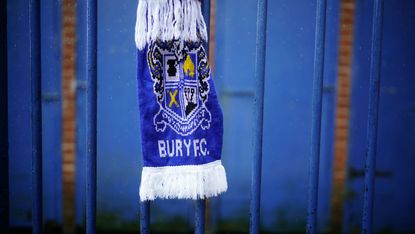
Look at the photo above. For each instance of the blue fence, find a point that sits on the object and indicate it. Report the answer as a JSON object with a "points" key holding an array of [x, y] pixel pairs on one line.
{"points": [[4, 148], [36, 114], [91, 115], [258, 115], [372, 124], [90, 86]]}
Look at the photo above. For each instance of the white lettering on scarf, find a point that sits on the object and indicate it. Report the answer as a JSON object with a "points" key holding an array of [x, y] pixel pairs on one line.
{"points": [[174, 148]]}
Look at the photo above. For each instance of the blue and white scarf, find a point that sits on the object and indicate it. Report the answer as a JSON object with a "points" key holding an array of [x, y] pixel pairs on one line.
{"points": [[181, 120]]}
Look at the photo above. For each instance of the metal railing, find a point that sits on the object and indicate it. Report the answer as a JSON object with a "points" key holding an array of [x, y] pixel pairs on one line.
{"points": [[91, 116], [35, 66], [4, 133], [36, 114], [317, 103]]}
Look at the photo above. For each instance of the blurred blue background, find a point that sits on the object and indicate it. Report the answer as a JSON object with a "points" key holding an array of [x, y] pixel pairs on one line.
{"points": [[287, 123]]}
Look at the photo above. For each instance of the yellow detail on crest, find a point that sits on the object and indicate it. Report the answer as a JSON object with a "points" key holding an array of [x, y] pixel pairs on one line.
{"points": [[188, 66], [173, 98]]}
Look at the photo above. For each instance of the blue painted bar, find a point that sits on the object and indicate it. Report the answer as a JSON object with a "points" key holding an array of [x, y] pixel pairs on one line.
{"points": [[81, 87], [145, 217], [259, 77], [91, 117], [4, 136], [206, 17], [51, 31], [200, 211], [144, 206], [36, 116], [200, 206], [372, 122], [314, 159]]}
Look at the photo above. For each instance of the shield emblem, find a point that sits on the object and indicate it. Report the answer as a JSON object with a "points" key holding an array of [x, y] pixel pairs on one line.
{"points": [[180, 73], [181, 86]]}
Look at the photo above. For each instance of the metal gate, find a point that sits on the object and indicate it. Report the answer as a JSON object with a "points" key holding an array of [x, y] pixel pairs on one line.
{"points": [[200, 208]]}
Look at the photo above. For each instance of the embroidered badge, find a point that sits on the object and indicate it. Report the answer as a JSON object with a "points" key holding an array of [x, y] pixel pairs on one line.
{"points": [[180, 72]]}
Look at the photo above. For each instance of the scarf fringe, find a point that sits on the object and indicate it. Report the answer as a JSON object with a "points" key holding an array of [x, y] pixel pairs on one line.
{"points": [[183, 182], [168, 20]]}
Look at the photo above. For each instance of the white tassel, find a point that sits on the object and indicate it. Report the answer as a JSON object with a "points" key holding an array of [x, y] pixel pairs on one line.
{"points": [[201, 24], [149, 21], [183, 182], [168, 20], [141, 25], [155, 15], [186, 24], [177, 22], [193, 21]]}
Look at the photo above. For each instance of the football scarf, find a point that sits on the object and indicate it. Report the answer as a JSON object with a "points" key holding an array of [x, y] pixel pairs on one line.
{"points": [[180, 117]]}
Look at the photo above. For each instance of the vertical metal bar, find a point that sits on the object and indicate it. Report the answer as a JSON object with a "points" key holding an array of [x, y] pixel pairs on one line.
{"points": [[372, 122], [4, 138], [200, 206], [206, 17], [145, 217], [91, 117], [200, 211], [259, 77], [36, 115], [80, 111], [144, 206], [314, 158]]}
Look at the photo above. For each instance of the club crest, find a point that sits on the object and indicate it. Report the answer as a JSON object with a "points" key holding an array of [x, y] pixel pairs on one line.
{"points": [[180, 72]]}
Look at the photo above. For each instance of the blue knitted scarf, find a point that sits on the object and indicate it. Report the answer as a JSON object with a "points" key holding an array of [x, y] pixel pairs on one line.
{"points": [[180, 117]]}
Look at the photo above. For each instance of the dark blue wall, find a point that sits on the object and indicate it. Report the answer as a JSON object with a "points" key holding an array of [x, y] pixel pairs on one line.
{"points": [[19, 111], [395, 188], [290, 49], [118, 132]]}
